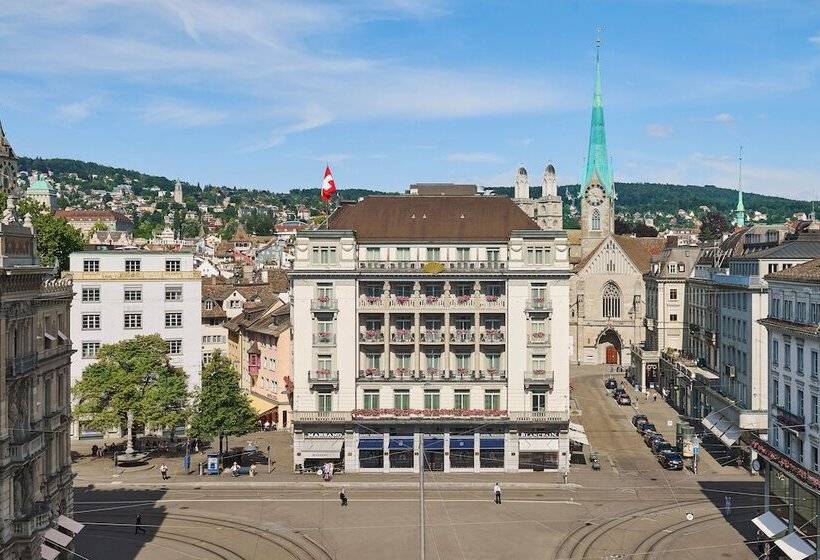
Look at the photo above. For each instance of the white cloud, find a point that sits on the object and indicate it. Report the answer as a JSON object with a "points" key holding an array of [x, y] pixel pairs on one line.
{"points": [[815, 39], [78, 110], [657, 130], [473, 157], [313, 116], [181, 114], [724, 118]]}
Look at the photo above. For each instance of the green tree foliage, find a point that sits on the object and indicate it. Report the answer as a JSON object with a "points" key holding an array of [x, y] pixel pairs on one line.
{"points": [[221, 408], [56, 239], [713, 226], [259, 223], [99, 226], [133, 375], [638, 229], [228, 230]]}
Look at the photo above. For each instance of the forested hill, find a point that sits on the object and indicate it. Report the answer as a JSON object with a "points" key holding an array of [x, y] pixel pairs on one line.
{"points": [[632, 197]]}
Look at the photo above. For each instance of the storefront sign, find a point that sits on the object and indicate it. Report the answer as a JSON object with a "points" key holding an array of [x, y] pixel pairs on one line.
{"points": [[786, 464], [539, 435], [324, 435]]}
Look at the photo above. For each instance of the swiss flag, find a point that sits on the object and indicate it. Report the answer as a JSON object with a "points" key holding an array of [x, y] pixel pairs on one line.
{"points": [[328, 185]]}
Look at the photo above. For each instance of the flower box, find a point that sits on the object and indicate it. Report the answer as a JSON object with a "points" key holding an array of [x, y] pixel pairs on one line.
{"points": [[491, 298], [432, 299], [401, 300], [373, 299], [463, 299], [322, 299]]}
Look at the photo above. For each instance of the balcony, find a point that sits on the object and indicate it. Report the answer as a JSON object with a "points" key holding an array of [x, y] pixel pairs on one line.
{"points": [[538, 338], [788, 419], [548, 416], [431, 414], [491, 302], [372, 374], [62, 350], [23, 452], [402, 302], [37, 520], [433, 336], [372, 302], [324, 339], [54, 420], [314, 416], [324, 303], [493, 336], [539, 379], [372, 336], [417, 266], [432, 301], [403, 336], [462, 336], [492, 374], [403, 374], [21, 365], [539, 304], [323, 378], [463, 301]]}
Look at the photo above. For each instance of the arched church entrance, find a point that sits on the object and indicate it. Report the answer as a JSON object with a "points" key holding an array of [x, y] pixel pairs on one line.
{"points": [[609, 347]]}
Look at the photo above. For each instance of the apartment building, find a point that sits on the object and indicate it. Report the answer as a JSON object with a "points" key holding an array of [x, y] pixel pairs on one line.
{"points": [[789, 459], [36, 495], [431, 322], [120, 294]]}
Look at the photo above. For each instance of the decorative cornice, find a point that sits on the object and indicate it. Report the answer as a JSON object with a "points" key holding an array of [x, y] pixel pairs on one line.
{"points": [[136, 276]]}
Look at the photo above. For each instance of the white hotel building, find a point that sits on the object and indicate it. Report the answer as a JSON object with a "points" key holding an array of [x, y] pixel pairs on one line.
{"points": [[120, 294], [439, 321]]}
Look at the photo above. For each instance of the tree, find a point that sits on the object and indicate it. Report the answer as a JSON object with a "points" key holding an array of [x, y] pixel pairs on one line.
{"points": [[640, 229], [228, 230], [713, 225], [56, 239], [135, 376], [622, 227], [221, 408], [99, 226]]}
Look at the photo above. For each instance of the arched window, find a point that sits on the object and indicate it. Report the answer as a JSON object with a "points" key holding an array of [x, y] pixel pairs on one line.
{"points": [[596, 219], [611, 301]]}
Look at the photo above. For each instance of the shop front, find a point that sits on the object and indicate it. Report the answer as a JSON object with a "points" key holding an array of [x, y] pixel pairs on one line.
{"points": [[462, 452], [491, 451], [792, 503], [371, 451], [433, 452], [314, 449], [402, 452], [538, 451]]}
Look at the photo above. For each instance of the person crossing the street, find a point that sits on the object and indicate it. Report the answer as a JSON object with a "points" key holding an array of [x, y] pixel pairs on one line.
{"points": [[497, 492]]}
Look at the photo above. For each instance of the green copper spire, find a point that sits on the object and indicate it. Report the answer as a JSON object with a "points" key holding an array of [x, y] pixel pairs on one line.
{"points": [[597, 168], [740, 210]]}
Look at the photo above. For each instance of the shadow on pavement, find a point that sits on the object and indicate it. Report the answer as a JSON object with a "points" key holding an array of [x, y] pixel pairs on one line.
{"points": [[738, 502], [110, 518]]}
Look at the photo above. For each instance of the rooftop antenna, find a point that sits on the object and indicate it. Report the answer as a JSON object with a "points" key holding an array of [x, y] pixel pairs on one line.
{"points": [[740, 169]]}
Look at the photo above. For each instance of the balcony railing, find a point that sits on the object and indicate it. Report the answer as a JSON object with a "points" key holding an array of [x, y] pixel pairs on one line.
{"points": [[539, 378], [416, 266], [492, 374], [493, 336], [324, 303], [433, 336], [31, 523], [463, 336], [436, 301], [21, 365], [324, 339], [372, 374], [539, 416], [443, 301], [789, 420], [366, 301], [403, 336], [60, 350], [323, 377], [466, 301], [22, 452], [539, 304], [373, 336], [333, 416], [432, 413], [538, 338]]}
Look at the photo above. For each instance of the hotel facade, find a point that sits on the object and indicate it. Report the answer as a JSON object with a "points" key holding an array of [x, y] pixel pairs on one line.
{"points": [[431, 322]]}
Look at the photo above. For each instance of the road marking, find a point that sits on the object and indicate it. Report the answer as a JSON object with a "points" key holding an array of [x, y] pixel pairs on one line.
{"points": [[296, 500]]}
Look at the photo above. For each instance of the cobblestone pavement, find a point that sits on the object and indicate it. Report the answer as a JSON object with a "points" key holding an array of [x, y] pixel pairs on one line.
{"points": [[631, 509]]}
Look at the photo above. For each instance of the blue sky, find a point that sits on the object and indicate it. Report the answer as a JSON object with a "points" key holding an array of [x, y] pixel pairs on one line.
{"points": [[390, 92]]}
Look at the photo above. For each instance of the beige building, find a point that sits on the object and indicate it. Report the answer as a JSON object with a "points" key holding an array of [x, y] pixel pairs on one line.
{"points": [[35, 353], [85, 220]]}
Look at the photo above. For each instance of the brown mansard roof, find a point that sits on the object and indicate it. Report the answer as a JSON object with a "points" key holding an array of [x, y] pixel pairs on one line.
{"points": [[417, 218], [807, 272]]}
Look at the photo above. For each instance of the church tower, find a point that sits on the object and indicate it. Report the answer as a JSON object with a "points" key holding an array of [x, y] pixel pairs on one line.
{"points": [[8, 165], [178, 192], [547, 210], [597, 187], [740, 209]]}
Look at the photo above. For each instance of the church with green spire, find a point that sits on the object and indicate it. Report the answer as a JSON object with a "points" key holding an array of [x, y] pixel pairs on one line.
{"points": [[740, 210]]}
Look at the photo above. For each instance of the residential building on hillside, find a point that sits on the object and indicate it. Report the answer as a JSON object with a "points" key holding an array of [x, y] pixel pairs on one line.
{"points": [[121, 294], [434, 323], [222, 301], [85, 220], [259, 346], [36, 495], [790, 458]]}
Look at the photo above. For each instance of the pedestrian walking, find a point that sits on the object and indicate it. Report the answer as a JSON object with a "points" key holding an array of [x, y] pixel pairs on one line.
{"points": [[566, 476], [727, 505], [497, 492], [163, 470], [343, 497], [138, 525], [267, 425], [235, 469], [655, 397], [252, 470]]}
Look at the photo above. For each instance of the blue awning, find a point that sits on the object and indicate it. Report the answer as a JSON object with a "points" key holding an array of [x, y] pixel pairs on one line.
{"points": [[462, 443], [434, 444], [492, 443], [401, 443], [371, 443]]}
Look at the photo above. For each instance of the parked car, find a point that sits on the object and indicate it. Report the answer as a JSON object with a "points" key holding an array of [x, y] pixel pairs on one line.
{"points": [[649, 437], [659, 446], [624, 400], [671, 460], [646, 427], [611, 383], [618, 392], [639, 418]]}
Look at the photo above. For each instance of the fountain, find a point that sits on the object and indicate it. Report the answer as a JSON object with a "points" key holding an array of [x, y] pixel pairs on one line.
{"points": [[130, 458]]}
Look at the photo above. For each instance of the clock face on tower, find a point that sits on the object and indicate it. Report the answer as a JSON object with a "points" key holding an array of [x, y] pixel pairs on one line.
{"points": [[595, 195]]}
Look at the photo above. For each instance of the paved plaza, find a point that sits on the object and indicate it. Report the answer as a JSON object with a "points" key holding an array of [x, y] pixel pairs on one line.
{"points": [[632, 508]]}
